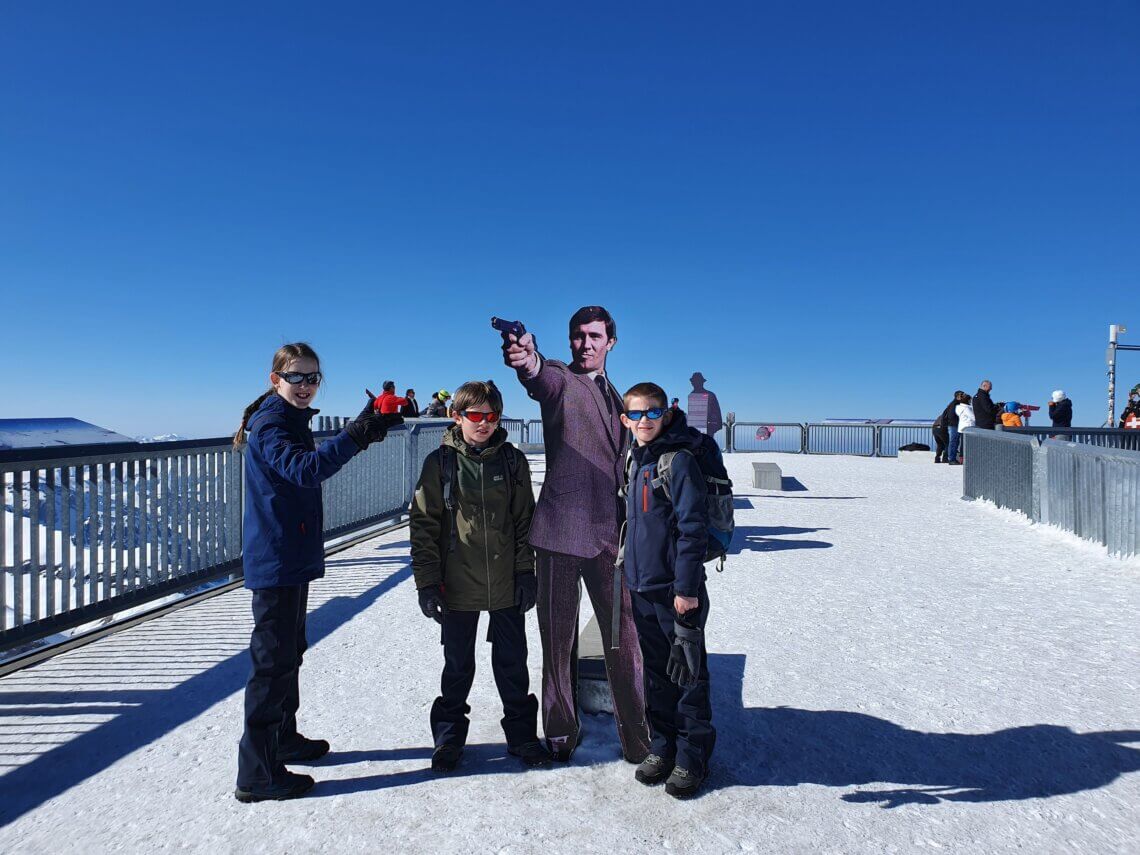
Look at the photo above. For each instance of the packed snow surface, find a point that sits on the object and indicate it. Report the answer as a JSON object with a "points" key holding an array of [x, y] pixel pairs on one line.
{"points": [[894, 670]]}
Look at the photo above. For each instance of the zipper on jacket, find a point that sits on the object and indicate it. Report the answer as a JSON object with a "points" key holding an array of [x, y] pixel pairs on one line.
{"points": [[486, 545], [645, 492]]}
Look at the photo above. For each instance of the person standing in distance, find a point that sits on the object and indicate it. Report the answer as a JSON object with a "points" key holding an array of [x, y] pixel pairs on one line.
{"points": [[575, 528]]}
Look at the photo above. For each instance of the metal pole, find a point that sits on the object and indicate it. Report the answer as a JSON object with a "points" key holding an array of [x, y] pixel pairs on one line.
{"points": [[1111, 356]]}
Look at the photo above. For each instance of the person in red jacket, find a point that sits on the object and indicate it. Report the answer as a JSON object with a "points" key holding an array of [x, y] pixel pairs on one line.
{"points": [[389, 403]]}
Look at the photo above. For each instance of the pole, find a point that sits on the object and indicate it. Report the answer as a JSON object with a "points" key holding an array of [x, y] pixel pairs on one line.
{"points": [[1111, 356]]}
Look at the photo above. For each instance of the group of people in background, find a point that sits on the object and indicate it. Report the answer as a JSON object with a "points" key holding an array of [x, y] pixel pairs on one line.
{"points": [[406, 405], [979, 410]]}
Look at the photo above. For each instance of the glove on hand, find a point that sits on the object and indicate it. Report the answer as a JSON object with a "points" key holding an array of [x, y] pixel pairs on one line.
{"points": [[684, 666], [371, 426], [526, 591], [432, 603]]}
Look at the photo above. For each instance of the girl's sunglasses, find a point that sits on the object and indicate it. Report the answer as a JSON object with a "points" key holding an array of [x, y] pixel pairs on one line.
{"points": [[653, 413], [472, 415], [296, 378]]}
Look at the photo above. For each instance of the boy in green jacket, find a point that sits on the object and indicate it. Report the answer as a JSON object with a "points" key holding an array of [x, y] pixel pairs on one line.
{"points": [[470, 519]]}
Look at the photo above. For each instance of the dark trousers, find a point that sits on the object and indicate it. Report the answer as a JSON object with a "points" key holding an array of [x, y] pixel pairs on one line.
{"points": [[272, 696], [954, 435], [559, 598], [680, 719], [941, 441], [449, 721]]}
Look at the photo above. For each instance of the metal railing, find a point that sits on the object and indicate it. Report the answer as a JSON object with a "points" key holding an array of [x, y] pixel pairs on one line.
{"points": [[788, 437], [89, 531], [1087, 489], [1102, 437]]}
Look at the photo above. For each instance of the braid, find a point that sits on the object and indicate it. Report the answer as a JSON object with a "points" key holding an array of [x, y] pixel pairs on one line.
{"points": [[239, 437]]}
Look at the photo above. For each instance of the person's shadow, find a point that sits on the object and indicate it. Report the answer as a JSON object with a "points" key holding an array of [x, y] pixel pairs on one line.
{"points": [[785, 747], [759, 538]]}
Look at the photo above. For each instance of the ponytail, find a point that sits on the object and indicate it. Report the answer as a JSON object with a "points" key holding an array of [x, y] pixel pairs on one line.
{"points": [[239, 437]]}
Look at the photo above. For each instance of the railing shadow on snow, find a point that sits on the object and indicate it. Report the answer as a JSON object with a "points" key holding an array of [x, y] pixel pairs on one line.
{"points": [[144, 716], [785, 747]]}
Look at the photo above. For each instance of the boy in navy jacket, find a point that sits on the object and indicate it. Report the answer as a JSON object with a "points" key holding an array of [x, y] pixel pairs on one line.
{"points": [[663, 561]]}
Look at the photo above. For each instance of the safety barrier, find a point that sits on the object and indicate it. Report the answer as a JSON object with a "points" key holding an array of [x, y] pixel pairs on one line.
{"points": [[92, 530], [1103, 437], [1086, 489]]}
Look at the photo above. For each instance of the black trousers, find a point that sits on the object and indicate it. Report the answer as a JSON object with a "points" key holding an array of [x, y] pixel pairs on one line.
{"points": [[941, 443], [449, 721], [680, 719], [272, 695]]}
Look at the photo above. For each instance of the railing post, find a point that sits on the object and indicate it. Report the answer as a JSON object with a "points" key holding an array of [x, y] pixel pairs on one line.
{"points": [[729, 432]]}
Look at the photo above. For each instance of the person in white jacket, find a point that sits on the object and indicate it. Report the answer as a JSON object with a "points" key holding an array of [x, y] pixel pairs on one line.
{"points": [[965, 413]]}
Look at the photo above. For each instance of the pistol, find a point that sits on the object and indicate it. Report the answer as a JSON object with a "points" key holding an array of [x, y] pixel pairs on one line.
{"points": [[507, 328]]}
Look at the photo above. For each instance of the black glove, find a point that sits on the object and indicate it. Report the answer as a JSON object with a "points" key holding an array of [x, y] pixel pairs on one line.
{"points": [[684, 666], [432, 603], [371, 426], [526, 591]]}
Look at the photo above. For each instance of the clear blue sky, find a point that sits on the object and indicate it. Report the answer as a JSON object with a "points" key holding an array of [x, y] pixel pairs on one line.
{"points": [[830, 209]]}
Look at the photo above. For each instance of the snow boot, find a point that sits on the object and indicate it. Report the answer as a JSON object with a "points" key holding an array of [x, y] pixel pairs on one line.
{"points": [[653, 770], [302, 750], [446, 757], [533, 754], [682, 784], [289, 786]]}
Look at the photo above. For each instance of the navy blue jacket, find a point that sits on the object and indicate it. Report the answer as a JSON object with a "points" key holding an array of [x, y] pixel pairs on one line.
{"points": [[282, 541], [1061, 413], [665, 542]]}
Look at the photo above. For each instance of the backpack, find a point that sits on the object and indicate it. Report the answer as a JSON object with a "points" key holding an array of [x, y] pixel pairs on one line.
{"points": [[718, 501], [449, 480]]}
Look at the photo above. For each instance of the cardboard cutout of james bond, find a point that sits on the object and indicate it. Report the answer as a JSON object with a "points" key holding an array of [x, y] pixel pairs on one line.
{"points": [[575, 527], [704, 408]]}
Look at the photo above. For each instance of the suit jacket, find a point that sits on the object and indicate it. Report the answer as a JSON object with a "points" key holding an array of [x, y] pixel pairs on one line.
{"points": [[578, 511]]}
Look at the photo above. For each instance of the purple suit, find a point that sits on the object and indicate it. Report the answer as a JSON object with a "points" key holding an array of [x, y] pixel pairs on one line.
{"points": [[575, 531]]}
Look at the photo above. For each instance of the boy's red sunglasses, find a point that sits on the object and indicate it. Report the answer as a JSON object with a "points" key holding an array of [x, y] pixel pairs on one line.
{"points": [[477, 417]]}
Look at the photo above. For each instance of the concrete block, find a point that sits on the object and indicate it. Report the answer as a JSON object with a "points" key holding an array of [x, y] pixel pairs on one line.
{"points": [[767, 476], [923, 457]]}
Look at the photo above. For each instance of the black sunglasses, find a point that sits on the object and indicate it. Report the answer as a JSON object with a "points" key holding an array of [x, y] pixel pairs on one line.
{"points": [[296, 378], [653, 413]]}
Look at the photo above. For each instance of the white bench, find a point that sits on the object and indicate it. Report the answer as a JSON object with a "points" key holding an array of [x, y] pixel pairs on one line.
{"points": [[767, 476]]}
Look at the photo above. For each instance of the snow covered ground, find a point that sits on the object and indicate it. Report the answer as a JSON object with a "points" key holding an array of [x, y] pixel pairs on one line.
{"points": [[894, 670]]}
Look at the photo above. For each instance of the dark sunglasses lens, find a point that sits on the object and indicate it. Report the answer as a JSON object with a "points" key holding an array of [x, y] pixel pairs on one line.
{"points": [[295, 378], [653, 413]]}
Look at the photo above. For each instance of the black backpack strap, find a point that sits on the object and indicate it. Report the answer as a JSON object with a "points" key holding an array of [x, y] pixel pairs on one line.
{"points": [[449, 476]]}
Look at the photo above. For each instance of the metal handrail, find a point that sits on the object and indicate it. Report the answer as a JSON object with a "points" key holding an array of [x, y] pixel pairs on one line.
{"points": [[93, 530]]}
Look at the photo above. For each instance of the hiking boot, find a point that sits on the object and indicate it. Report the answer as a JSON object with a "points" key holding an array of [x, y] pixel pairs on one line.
{"points": [[533, 754], [288, 786], [446, 758], [653, 770], [682, 783], [302, 750]]}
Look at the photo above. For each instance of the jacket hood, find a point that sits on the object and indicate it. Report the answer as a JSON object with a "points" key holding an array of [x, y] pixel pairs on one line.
{"points": [[275, 405], [453, 437]]}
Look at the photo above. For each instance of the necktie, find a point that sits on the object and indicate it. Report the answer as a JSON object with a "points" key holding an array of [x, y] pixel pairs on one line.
{"points": [[602, 385]]}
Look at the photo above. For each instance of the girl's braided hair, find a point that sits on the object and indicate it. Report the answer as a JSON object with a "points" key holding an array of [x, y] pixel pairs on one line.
{"points": [[284, 355]]}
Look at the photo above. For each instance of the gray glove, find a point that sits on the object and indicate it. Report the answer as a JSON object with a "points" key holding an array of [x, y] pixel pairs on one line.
{"points": [[684, 666]]}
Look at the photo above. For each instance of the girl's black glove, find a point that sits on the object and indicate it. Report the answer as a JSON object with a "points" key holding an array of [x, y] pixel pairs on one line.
{"points": [[526, 591], [432, 603], [371, 426]]}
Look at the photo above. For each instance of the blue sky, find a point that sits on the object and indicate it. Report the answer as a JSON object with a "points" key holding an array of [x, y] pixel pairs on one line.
{"points": [[830, 210]]}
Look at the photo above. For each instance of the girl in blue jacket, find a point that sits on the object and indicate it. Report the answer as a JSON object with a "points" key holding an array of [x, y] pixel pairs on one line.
{"points": [[282, 551]]}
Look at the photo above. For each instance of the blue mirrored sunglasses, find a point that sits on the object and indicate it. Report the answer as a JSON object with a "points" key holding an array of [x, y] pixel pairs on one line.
{"points": [[653, 413]]}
